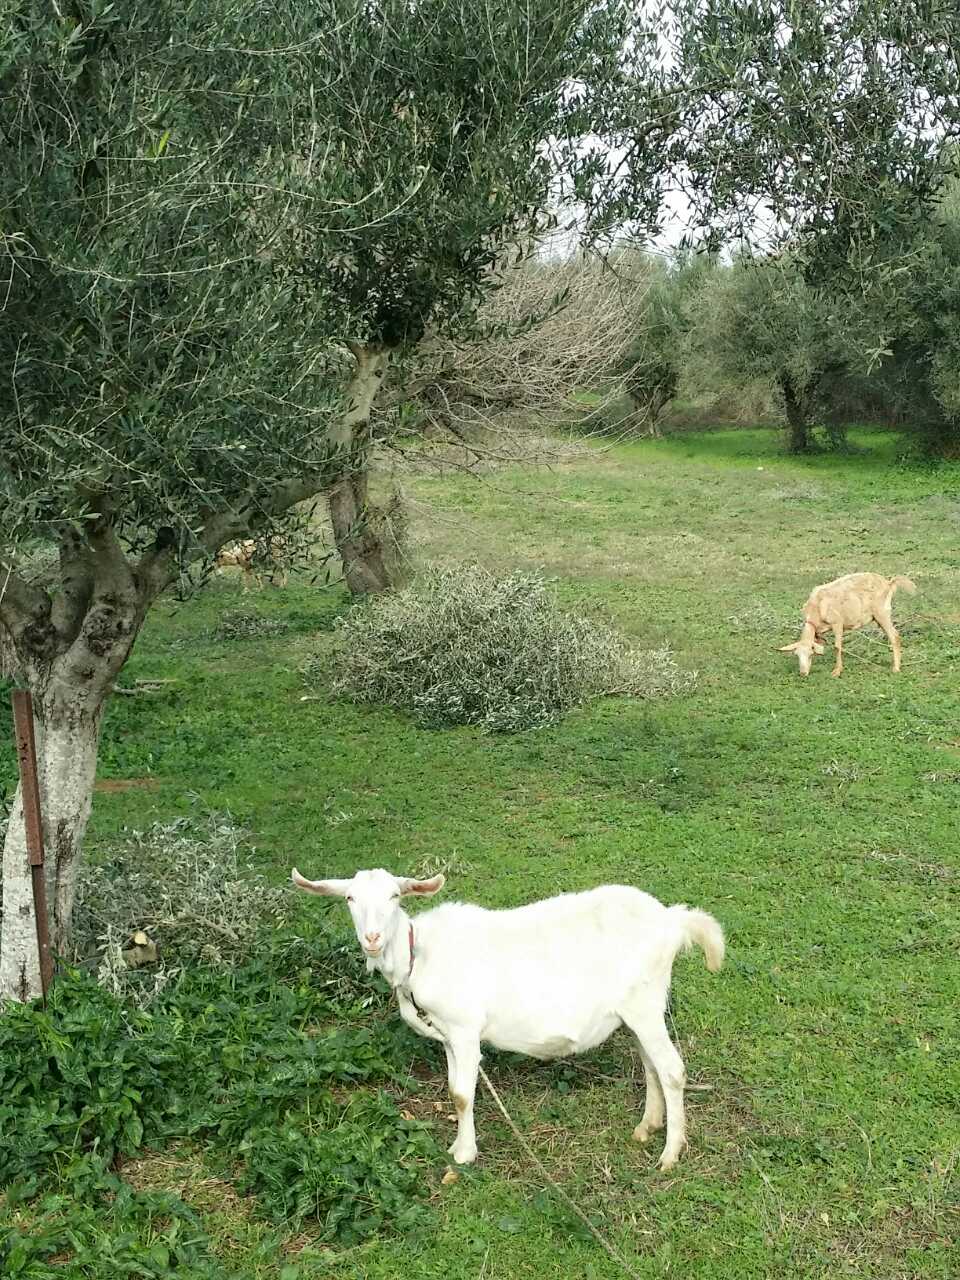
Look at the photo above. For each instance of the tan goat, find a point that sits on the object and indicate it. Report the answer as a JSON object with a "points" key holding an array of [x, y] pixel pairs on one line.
{"points": [[241, 555], [845, 605]]}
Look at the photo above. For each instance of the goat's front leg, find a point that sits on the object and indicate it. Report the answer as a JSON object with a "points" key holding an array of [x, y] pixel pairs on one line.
{"points": [[838, 645], [451, 1066], [463, 1063]]}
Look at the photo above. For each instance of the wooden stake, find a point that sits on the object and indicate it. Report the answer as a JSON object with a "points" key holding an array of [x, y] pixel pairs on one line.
{"points": [[33, 825]]}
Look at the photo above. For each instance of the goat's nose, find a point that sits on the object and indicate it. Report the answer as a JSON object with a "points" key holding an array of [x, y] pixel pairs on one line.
{"points": [[372, 938]]}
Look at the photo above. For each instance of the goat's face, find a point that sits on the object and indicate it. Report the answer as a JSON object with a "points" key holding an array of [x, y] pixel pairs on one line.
{"points": [[804, 649], [374, 901]]}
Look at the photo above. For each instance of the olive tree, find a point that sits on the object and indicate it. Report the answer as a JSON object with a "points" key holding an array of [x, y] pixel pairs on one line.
{"points": [[828, 128], [918, 375], [758, 321], [466, 125], [654, 362], [827, 119], [218, 223]]}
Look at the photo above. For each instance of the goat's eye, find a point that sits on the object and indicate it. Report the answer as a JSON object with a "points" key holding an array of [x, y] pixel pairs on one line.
{"points": [[396, 897], [349, 899]]}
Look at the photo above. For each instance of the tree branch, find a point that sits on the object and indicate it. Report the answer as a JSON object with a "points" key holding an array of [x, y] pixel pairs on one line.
{"points": [[112, 572], [223, 526], [76, 582], [159, 567], [21, 603]]}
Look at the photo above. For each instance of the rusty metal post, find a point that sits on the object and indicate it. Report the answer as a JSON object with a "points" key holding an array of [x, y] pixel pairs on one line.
{"points": [[33, 825]]}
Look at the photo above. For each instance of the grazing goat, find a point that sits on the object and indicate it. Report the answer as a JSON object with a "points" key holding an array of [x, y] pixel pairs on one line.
{"points": [[550, 979], [242, 555], [845, 605]]}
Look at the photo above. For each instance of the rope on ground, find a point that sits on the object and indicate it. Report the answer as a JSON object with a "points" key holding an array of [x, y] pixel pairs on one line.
{"points": [[614, 1253]]}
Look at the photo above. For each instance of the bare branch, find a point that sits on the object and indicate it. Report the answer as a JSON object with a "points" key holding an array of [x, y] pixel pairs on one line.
{"points": [[553, 328]]}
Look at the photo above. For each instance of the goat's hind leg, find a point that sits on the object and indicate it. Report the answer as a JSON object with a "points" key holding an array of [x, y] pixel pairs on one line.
{"points": [[885, 622], [643, 1014], [653, 1106]]}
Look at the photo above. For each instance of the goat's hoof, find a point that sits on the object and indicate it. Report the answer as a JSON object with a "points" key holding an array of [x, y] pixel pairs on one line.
{"points": [[643, 1132], [836, 674], [466, 1155], [666, 1163]]}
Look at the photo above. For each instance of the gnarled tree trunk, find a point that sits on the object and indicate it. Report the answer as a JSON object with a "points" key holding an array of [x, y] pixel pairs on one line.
{"points": [[354, 530], [68, 647], [70, 650], [798, 439], [356, 535]]}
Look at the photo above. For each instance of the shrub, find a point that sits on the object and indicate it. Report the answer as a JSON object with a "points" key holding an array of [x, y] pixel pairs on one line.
{"points": [[189, 884], [246, 624], [464, 647]]}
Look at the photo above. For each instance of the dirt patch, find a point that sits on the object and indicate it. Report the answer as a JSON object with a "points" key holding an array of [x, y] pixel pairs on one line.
{"points": [[181, 1171], [126, 784]]}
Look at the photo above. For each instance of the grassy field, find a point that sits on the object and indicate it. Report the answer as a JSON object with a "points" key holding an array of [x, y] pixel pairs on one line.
{"points": [[817, 819]]}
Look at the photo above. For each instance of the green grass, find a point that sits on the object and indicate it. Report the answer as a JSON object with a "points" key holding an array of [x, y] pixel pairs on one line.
{"points": [[817, 819]]}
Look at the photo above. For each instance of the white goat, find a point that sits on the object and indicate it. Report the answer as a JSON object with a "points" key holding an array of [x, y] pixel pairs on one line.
{"points": [[550, 979], [846, 604]]}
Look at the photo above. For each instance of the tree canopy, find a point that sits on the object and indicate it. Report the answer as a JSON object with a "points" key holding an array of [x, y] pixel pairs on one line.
{"points": [[219, 220], [828, 117]]}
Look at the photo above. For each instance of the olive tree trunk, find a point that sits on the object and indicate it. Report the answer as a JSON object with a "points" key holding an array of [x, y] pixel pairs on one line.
{"points": [[798, 427], [355, 527], [69, 650], [68, 646], [67, 737]]}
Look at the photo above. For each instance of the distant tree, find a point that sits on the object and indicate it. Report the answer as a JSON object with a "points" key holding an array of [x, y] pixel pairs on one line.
{"points": [[828, 127], [654, 362], [827, 120], [759, 321], [918, 313]]}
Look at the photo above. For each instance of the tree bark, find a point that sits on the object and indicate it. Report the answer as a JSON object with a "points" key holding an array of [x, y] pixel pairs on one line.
{"points": [[68, 738], [71, 650], [357, 538], [9, 666], [354, 530], [798, 427]]}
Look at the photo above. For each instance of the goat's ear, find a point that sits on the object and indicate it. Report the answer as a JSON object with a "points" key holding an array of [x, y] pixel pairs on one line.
{"points": [[330, 888], [818, 647], [423, 888], [788, 648]]}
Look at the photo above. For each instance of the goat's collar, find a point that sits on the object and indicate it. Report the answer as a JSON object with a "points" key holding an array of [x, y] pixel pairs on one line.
{"points": [[424, 1017]]}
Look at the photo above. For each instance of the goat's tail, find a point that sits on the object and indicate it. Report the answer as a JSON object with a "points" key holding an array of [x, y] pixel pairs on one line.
{"points": [[905, 583], [700, 929]]}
